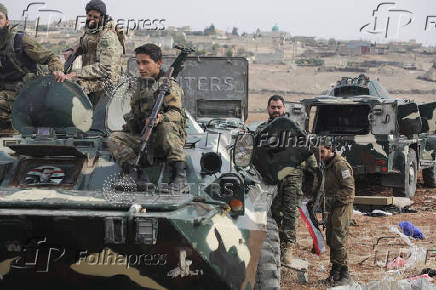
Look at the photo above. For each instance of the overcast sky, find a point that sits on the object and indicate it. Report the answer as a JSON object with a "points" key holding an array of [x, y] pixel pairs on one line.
{"points": [[341, 19]]}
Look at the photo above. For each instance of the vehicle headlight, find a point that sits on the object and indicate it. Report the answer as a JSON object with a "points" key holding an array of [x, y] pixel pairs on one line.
{"points": [[243, 150]]}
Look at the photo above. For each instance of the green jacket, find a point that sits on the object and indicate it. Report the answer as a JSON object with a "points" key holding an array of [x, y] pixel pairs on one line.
{"points": [[19, 59], [339, 180], [144, 97]]}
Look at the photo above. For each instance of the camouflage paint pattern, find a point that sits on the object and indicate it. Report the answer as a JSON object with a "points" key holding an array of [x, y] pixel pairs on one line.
{"points": [[395, 126]]}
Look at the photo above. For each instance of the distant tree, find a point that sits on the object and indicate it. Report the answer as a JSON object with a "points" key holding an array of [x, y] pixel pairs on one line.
{"points": [[215, 46], [179, 38], [201, 52], [241, 52], [229, 52], [235, 31]]}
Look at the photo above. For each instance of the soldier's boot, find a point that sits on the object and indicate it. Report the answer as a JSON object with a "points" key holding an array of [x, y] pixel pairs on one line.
{"points": [[335, 274], [132, 177], [344, 277], [287, 253], [178, 182]]}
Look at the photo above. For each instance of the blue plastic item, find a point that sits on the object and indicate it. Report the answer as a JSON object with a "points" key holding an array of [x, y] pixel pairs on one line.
{"points": [[410, 229]]}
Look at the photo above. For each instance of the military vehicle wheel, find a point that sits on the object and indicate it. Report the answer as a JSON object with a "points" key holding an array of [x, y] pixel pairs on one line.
{"points": [[410, 176], [429, 176], [269, 267]]}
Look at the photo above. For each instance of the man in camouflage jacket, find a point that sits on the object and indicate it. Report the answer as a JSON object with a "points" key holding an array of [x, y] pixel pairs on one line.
{"points": [[19, 56], [285, 205], [339, 189], [168, 138], [101, 48]]}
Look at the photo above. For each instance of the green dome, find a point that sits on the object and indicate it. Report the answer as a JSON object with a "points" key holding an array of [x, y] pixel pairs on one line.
{"points": [[275, 28]]}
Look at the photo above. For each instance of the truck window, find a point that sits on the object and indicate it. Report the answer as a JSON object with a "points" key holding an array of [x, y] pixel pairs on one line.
{"points": [[349, 91], [340, 119]]}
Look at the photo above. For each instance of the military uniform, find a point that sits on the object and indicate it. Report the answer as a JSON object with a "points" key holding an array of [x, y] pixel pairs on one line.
{"points": [[290, 195], [285, 205], [19, 56], [101, 51], [168, 138], [339, 189]]}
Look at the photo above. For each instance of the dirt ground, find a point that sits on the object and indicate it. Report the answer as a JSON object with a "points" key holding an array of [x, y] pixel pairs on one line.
{"points": [[295, 83], [366, 263]]}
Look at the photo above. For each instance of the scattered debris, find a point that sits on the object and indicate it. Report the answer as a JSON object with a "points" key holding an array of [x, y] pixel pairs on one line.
{"points": [[378, 213], [407, 209], [373, 200], [390, 283], [397, 263], [429, 271], [410, 229], [300, 266], [424, 276], [355, 211], [401, 202], [405, 238]]}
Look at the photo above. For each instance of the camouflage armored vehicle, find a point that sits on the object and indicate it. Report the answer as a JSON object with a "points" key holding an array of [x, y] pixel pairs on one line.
{"points": [[386, 140], [63, 226]]}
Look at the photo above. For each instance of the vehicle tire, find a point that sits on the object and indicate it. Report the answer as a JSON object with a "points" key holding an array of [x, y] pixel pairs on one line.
{"points": [[269, 267], [410, 176], [429, 176]]}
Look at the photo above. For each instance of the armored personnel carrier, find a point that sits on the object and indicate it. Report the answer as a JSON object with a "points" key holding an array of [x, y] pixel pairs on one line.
{"points": [[63, 226], [386, 140]]}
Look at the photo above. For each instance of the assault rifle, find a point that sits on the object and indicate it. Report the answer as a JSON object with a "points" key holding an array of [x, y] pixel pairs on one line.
{"points": [[163, 90], [69, 63], [317, 203]]}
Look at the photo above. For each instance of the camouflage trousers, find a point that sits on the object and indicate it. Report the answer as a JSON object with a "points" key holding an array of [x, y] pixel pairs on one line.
{"points": [[7, 99], [167, 141], [338, 222], [285, 207], [93, 88]]}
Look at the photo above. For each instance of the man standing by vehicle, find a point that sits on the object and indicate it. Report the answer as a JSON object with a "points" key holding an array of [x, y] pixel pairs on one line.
{"points": [[168, 138], [339, 190], [285, 205], [101, 47], [19, 56]]}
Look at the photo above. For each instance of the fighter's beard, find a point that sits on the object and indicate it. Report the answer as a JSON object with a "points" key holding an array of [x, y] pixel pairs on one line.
{"points": [[91, 25]]}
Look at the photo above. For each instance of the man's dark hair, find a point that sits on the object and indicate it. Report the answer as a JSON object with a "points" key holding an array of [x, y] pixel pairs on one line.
{"points": [[96, 5], [276, 98], [152, 50]]}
